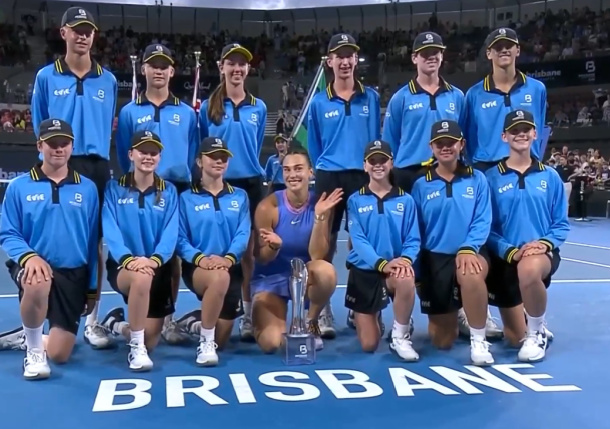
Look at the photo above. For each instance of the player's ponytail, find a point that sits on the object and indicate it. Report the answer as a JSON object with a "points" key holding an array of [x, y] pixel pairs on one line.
{"points": [[216, 103]]}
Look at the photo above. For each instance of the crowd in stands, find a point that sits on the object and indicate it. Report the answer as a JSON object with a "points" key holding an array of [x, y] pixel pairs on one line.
{"points": [[14, 48]]}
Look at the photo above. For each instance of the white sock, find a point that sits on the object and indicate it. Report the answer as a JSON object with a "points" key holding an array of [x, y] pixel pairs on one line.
{"points": [[92, 318], [33, 337], [137, 336], [119, 327], [195, 328], [534, 324], [477, 334], [207, 335], [399, 331], [247, 309]]}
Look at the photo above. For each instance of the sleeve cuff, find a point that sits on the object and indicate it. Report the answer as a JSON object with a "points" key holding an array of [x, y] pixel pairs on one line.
{"points": [[407, 259], [26, 257], [231, 257], [467, 250], [547, 243], [197, 258], [380, 264], [157, 258], [125, 260], [92, 294], [510, 253]]}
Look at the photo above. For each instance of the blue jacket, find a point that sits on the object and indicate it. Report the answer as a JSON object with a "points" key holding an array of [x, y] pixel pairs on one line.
{"points": [[138, 223], [273, 170], [59, 223], [88, 105], [174, 122]]}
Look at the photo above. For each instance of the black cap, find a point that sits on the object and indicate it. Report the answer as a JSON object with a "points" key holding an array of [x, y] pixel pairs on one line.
{"points": [[157, 51], [446, 129], [517, 117], [281, 137], [340, 40], [427, 39], [501, 34], [211, 145], [142, 137], [50, 128], [378, 147], [235, 48], [77, 16]]}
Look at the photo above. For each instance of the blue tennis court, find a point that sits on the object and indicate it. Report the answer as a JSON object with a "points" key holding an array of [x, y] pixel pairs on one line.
{"points": [[345, 388]]}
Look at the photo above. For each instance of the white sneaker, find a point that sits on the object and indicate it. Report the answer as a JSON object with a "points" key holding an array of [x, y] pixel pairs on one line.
{"points": [[35, 366], [492, 330], [534, 347], [186, 322], [13, 340], [404, 348], [549, 334], [172, 334], [206, 354], [138, 358], [97, 337], [411, 329], [246, 332], [314, 328], [479, 353], [326, 321]]}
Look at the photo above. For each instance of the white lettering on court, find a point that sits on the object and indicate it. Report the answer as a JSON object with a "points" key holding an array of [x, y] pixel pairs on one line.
{"points": [[309, 392], [242, 388], [461, 380], [337, 387], [107, 392], [400, 378], [528, 379], [176, 390]]}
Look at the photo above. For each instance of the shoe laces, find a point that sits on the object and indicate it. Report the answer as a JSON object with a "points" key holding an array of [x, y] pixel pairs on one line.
{"points": [[35, 356], [479, 345], [207, 347], [404, 341], [531, 339], [99, 330], [137, 349]]}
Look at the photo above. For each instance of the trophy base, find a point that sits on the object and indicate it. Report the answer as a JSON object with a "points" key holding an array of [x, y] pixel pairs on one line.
{"points": [[299, 349]]}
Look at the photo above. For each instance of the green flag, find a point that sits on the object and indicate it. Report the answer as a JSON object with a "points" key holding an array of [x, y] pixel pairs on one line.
{"points": [[299, 133]]}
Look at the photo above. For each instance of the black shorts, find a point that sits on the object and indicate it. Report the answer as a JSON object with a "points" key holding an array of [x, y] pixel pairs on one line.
{"points": [[405, 177], [161, 301], [503, 281], [438, 289], [366, 291], [483, 166], [232, 307], [67, 297], [348, 180], [254, 187], [96, 169]]}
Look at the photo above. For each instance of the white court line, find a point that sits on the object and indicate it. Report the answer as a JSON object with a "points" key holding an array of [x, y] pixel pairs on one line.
{"points": [[111, 292], [578, 261], [592, 246]]}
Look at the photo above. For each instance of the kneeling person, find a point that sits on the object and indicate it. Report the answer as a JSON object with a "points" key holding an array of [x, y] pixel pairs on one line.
{"points": [[385, 238], [214, 233], [291, 224], [140, 221], [530, 223], [454, 212], [50, 205]]}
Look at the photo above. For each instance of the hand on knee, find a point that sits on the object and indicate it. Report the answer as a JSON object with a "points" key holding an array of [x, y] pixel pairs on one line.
{"points": [[36, 291]]}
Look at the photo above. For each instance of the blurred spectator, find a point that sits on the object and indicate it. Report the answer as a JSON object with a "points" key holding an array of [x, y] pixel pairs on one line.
{"points": [[14, 48]]}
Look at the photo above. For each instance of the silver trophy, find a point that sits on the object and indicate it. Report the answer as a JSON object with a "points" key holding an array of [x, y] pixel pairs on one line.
{"points": [[299, 343]]}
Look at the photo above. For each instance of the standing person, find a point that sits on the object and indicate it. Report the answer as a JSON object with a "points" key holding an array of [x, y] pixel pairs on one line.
{"points": [[140, 219], [76, 89], [238, 118], [50, 205], [161, 112], [342, 120], [489, 101], [214, 233], [384, 232], [530, 223], [273, 169], [426, 99], [454, 212], [566, 171]]}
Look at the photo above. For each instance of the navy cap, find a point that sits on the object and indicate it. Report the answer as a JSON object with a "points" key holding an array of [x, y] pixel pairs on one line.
{"points": [[281, 137], [157, 51], [211, 145], [338, 41], [501, 34], [50, 128], [378, 147], [446, 129], [77, 16], [235, 48], [518, 117], [426, 40], [142, 137]]}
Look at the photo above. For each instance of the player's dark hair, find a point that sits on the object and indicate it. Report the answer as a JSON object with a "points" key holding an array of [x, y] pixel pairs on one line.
{"points": [[296, 149]]}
